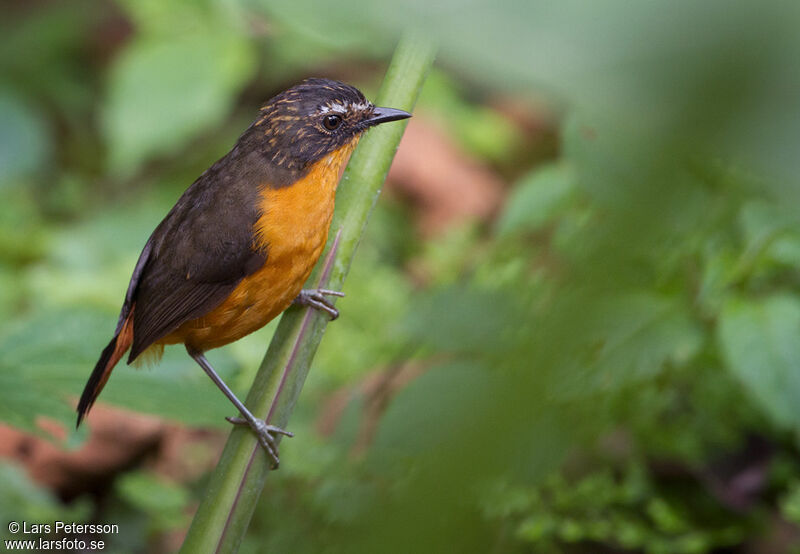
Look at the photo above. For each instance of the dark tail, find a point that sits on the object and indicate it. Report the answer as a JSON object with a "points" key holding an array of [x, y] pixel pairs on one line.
{"points": [[102, 371]]}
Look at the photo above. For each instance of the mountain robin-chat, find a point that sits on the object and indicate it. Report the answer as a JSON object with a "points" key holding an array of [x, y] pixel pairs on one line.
{"points": [[237, 247]]}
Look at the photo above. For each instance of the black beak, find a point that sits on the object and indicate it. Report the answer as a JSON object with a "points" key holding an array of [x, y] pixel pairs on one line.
{"points": [[384, 115]]}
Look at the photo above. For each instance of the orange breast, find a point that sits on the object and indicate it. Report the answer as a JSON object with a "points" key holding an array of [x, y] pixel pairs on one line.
{"points": [[294, 228]]}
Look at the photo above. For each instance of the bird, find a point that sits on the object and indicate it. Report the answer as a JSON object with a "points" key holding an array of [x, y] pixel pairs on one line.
{"points": [[238, 245]]}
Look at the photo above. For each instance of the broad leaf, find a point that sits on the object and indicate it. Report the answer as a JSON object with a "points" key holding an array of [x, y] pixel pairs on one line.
{"points": [[626, 339], [24, 141], [45, 362], [163, 91], [760, 341], [538, 198]]}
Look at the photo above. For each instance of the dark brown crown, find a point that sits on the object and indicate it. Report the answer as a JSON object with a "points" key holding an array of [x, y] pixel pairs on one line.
{"points": [[293, 123]]}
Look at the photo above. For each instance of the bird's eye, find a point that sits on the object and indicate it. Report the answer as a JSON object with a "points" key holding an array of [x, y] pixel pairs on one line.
{"points": [[331, 122]]}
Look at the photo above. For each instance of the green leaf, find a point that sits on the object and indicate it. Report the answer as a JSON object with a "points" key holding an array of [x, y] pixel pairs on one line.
{"points": [[24, 398], [428, 399], [165, 502], [164, 91], [538, 198], [23, 500], [462, 319], [46, 360], [760, 343], [365, 339], [628, 338], [338, 26], [23, 232], [24, 141], [772, 231], [790, 503]]}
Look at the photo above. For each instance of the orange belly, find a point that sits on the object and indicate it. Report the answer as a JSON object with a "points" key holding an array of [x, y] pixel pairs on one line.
{"points": [[293, 228]]}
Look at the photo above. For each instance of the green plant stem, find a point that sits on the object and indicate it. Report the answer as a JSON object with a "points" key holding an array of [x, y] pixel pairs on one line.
{"points": [[236, 484]]}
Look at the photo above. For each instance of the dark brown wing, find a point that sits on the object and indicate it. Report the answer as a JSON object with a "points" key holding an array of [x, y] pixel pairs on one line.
{"points": [[198, 254]]}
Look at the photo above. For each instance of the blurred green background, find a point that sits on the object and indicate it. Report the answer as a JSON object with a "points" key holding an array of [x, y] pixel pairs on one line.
{"points": [[606, 360]]}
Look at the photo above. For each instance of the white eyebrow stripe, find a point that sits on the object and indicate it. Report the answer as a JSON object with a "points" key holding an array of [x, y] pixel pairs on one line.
{"points": [[339, 108]]}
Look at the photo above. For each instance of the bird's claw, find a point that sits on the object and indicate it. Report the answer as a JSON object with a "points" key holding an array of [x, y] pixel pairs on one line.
{"points": [[315, 298], [265, 435]]}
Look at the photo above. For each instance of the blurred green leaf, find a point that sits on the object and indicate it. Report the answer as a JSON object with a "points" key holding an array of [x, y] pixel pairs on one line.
{"points": [[89, 264], [629, 338], [331, 25], [166, 503], [25, 398], [538, 198], [770, 230], [759, 341], [163, 92], [24, 141], [44, 55], [377, 297], [790, 503], [461, 319], [23, 232], [177, 18], [46, 360], [23, 500], [428, 399], [448, 256], [10, 292]]}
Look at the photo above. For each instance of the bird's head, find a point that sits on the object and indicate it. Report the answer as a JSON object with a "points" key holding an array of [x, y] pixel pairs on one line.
{"points": [[315, 118]]}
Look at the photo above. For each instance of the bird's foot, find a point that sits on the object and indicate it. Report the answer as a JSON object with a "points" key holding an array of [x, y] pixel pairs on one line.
{"points": [[266, 435], [316, 299]]}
